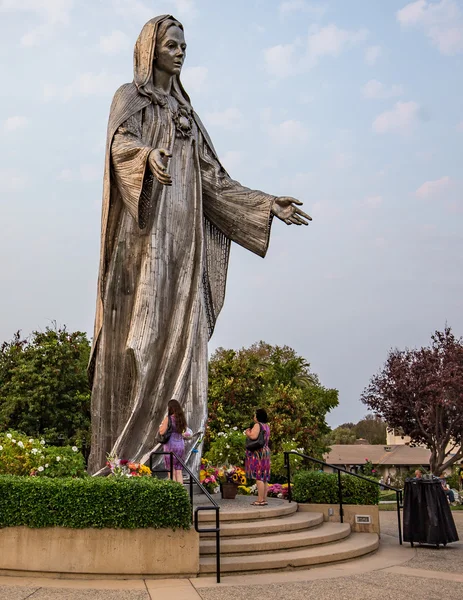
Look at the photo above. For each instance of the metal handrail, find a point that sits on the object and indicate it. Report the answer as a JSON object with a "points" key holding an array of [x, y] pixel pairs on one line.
{"points": [[193, 479], [198, 441], [339, 471]]}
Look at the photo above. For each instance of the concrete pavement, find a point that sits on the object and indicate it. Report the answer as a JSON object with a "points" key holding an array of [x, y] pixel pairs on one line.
{"points": [[392, 573]]}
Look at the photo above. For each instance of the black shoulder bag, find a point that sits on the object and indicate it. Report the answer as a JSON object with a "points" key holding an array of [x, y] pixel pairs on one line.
{"points": [[258, 443], [163, 439]]}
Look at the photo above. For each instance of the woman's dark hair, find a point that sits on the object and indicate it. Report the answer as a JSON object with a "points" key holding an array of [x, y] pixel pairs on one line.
{"points": [[261, 415], [174, 409]]}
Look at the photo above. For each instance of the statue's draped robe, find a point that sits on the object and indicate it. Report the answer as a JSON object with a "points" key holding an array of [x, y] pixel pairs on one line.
{"points": [[162, 274]]}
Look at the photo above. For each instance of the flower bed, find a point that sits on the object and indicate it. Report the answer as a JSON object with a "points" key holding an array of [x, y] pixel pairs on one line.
{"points": [[316, 487], [24, 455], [93, 502]]}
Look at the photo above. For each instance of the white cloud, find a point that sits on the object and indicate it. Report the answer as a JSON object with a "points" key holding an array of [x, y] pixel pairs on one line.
{"points": [[460, 126], [400, 119], [332, 41], [287, 59], [12, 180], [231, 159], [133, 10], [430, 189], [280, 60], [441, 21], [85, 84], [185, 8], [230, 118], [288, 133], [194, 79], [372, 53], [373, 201], [141, 12], [376, 89], [14, 123], [53, 13], [117, 41], [291, 6], [379, 242]]}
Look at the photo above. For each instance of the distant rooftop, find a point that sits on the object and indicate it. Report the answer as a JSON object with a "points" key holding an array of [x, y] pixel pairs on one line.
{"points": [[378, 454]]}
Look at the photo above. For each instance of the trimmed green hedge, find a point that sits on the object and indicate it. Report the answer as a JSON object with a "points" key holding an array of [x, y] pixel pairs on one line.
{"points": [[315, 487], [93, 502]]}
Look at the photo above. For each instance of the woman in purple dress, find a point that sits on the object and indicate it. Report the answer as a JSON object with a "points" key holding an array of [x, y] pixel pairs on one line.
{"points": [[176, 442], [257, 463]]}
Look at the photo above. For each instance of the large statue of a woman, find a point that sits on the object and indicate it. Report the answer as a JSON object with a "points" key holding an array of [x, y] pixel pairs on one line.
{"points": [[170, 211]]}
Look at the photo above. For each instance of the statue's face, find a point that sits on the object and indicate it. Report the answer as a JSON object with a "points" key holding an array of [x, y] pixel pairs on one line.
{"points": [[170, 51]]}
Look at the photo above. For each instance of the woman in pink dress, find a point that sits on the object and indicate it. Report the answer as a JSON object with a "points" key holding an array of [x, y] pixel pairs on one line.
{"points": [[176, 443], [257, 463]]}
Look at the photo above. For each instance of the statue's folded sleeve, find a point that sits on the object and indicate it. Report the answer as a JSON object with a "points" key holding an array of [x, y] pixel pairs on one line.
{"points": [[242, 214], [129, 157]]}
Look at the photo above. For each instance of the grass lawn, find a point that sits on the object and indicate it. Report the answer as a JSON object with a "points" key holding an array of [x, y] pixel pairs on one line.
{"points": [[391, 507]]}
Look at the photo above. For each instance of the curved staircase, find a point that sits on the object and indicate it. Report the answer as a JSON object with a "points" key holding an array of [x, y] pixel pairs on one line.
{"points": [[277, 537]]}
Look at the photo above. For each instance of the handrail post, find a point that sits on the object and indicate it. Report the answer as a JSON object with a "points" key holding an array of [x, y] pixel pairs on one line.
{"points": [[398, 494], [341, 510], [195, 515], [217, 544], [288, 475]]}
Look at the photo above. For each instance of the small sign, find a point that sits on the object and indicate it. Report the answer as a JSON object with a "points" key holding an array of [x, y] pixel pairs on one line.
{"points": [[363, 519]]}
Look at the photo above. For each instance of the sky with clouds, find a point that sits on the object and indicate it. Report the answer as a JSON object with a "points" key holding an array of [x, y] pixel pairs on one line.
{"points": [[353, 107]]}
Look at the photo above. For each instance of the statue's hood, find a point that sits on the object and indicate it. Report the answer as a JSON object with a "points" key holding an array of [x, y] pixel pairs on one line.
{"points": [[144, 56]]}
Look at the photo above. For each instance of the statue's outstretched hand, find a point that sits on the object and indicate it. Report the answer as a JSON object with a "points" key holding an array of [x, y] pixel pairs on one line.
{"points": [[158, 163], [286, 209]]}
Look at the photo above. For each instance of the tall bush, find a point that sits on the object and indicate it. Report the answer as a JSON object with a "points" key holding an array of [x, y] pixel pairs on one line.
{"points": [[316, 487]]}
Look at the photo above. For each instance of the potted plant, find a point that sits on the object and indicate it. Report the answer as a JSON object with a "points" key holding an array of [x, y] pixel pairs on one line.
{"points": [[230, 478], [208, 476]]}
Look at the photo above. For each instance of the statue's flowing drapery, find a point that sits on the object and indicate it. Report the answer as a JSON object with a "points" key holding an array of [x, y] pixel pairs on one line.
{"points": [[163, 266]]}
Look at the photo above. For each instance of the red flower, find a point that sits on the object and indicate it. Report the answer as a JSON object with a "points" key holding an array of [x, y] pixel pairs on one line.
{"points": [[124, 462]]}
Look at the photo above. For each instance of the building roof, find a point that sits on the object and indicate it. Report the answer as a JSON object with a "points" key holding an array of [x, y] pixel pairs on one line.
{"points": [[378, 454]]}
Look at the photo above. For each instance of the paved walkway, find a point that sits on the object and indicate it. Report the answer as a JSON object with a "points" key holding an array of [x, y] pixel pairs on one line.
{"points": [[392, 573]]}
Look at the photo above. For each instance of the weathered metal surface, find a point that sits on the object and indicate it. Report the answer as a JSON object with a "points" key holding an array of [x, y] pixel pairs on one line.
{"points": [[170, 211]]}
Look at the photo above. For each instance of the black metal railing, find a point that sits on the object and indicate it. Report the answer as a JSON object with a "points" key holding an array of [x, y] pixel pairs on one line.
{"points": [[399, 496], [192, 480]]}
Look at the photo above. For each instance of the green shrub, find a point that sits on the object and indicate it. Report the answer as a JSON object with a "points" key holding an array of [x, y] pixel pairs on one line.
{"points": [[93, 502], [229, 448], [315, 487]]}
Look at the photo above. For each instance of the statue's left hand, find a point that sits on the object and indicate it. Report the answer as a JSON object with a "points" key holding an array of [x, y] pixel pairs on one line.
{"points": [[286, 209]]}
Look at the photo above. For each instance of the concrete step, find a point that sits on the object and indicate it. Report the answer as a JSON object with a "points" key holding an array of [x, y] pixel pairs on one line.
{"points": [[326, 533], [293, 522], [357, 544], [230, 512]]}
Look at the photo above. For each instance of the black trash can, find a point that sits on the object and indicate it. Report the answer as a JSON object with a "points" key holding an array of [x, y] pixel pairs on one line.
{"points": [[427, 515]]}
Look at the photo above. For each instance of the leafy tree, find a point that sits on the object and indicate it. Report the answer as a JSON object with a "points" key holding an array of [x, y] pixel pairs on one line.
{"points": [[371, 428], [276, 379], [44, 389], [341, 435], [421, 392], [347, 425]]}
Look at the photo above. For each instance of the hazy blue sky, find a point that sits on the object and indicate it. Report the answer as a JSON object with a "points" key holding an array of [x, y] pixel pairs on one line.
{"points": [[355, 107]]}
